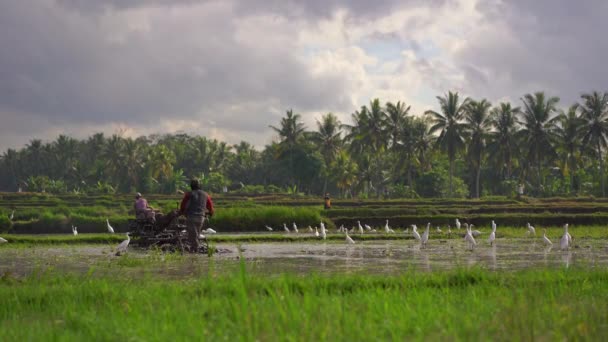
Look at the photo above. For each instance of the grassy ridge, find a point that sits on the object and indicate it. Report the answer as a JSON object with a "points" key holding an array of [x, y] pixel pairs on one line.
{"points": [[455, 305], [41, 213]]}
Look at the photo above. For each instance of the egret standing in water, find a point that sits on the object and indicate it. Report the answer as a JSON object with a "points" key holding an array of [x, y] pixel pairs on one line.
{"points": [[295, 228], [268, 228], [285, 228], [492, 234], [566, 240], [74, 230], [531, 229], [2, 240], [316, 232], [110, 229], [546, 239], [415, 232], [122, 248], [457, 224], [323, 231], [468, 237], [349, 240], [425, 235]]}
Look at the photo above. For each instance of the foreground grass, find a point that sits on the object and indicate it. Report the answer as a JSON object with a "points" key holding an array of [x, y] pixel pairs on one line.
{"points": [[457, 305]]}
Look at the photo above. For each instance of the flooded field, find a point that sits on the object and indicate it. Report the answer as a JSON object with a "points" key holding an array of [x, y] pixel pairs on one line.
{"points": [[374, 257]]}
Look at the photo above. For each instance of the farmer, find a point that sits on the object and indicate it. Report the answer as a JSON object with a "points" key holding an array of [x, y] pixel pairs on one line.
{"points": [[142, 209], [327, 204], [196, 204]]}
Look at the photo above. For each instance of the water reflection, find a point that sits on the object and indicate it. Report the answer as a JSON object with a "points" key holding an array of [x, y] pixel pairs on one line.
{"points": [[327, 257]]}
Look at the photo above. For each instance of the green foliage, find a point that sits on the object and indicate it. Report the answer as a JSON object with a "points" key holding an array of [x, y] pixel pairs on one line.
{"points": [[237, 305], [436, 184]]}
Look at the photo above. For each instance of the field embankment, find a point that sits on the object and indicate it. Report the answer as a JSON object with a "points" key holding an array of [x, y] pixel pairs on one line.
{"points": [[44, 214]]}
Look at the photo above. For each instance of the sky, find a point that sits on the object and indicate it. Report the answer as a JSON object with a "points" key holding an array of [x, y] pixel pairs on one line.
{"points": [[228, 69]]}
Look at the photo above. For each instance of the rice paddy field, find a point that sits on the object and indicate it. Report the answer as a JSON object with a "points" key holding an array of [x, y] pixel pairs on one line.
{"points": [[277, 286]]}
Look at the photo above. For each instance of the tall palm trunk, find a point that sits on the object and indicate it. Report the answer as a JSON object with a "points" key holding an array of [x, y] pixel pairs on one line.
{"points": [[540, 179], [478, 175], [451, 172], [599, 154]]}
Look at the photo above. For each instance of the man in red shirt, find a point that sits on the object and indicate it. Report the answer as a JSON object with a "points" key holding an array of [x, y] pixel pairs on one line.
{"points": [[196, 204]]}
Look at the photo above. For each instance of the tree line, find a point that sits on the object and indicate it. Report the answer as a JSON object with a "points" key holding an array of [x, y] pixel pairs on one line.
{"points": [[467, 147]]}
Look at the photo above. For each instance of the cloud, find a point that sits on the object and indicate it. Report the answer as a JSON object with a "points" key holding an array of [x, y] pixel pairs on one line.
{"points": [[230, 68]]}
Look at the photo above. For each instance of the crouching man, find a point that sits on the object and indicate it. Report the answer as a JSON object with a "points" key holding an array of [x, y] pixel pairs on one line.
{"points": [[196, 204]]}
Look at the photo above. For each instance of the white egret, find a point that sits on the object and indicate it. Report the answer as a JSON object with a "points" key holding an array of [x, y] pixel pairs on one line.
{"points": [[268, 228], [209, 231], [531, 229], [425, 235], [12, 215], [110, 229], [566, 240], [546, 239], [2, 240], [360, 227], [475, 233], [323, 231], [349, 240], [316, 232], [468, 237], [415, 232], [201, 236], [457, 224], [492, 234], [310, 229], [568, 234], [122, 248], [367, 227], [295, 228], [74, 230], [285, 227], [341, 229]]}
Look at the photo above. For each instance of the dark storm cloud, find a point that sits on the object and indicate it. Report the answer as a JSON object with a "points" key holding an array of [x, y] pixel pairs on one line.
{"points": [[68, 66], [554, 45]]}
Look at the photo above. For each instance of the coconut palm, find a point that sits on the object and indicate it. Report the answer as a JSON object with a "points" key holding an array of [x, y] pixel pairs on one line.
{"points": [[450, 127], [291, 131], [328, 138], [367, 134], [594, 112], [502, 143], [344, 172], [536, 120], [477, 126], [568, 137], [395, 121]]}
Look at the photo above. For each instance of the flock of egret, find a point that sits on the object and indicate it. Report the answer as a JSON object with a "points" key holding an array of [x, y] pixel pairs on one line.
{"points": [[469, 235], [565, 241]]}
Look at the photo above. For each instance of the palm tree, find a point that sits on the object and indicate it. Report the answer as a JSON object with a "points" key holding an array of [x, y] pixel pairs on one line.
{"points": [[329, 140], [477, 126], [569, 140], [344, 172], [594, 111], [536, 119], [290, 133], [367, 134], [395, 121], [449, 124], [503, 139]]}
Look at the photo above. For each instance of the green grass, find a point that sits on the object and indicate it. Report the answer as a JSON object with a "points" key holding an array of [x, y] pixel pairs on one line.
{"points": [[456, 305]]}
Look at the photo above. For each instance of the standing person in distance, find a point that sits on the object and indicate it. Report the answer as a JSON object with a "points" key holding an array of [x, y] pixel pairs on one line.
{"points": [[196, 204], [327, 204]]}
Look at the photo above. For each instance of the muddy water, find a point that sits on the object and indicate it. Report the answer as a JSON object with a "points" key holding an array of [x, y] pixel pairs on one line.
{"points": [[378, 257]]}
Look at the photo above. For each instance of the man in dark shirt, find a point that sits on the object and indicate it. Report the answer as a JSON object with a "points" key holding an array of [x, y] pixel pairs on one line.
{"points": [[196, 204]]}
